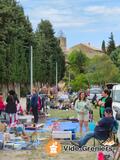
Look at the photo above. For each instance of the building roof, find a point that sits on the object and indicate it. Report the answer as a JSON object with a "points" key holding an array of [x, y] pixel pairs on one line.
{"points": [[87, 49]]}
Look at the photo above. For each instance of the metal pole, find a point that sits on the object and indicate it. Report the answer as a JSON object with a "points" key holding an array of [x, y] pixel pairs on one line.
{"points": [[69, 78], [31, 68], [56, 74]]}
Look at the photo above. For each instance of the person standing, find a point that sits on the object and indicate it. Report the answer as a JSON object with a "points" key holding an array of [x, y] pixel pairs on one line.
{"points": [[105, 102], [28, 103], [108, 101], [82, 106], [34, 105], [11, 108], [101, 103], [13, 93], [2, 106]]}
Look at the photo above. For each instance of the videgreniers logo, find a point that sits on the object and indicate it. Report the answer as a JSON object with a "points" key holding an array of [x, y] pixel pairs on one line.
{"points": [[53, 148]]}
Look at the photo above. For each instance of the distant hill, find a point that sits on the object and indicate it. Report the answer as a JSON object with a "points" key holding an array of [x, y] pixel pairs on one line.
{"points": [[87, 49]]}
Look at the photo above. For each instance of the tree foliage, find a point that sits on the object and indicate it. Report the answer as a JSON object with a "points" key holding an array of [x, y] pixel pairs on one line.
{"points": [[77, 61], [103, 47], [47, 54], [15, 39], [115, 57], [111, 44], [80, 82], [101, 70]]}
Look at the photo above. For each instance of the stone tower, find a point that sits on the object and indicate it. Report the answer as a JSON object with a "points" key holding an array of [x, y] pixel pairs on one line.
{"points": [[62, 41]]}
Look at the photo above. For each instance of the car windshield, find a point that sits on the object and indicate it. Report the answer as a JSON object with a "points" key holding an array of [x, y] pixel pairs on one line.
{"points": [[95, 91], [116, 96]]}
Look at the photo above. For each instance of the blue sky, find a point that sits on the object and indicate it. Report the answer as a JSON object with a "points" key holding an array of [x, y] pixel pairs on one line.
{"points": [[82, 21]]}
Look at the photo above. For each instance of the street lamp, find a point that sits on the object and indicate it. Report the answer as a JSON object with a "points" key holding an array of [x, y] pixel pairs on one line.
{"points": [[56, 75], [31, 68]]}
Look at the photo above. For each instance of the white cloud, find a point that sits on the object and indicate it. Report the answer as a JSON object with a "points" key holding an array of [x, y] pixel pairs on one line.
{"points": [[103, 10], [22, 1], [61, 13], [91, 30], [58, 17], [65, 14]]}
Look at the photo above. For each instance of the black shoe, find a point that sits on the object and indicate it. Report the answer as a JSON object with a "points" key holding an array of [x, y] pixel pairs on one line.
{"points": [[75, 143]]}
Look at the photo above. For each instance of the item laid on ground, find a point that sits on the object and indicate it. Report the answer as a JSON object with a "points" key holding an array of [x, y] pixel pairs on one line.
{"points": [[2, 127], [69, 119], [110, 142], [30, 128], [42, 139], [25, 137], [62, 135], [34, 126], [6, 137], [26, 118], [100, 156], [18, 143], [40, 125], [1, 140], [105, 155]]}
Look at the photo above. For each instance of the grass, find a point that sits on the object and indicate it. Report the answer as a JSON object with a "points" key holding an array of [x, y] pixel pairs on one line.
{"points": [[54, 113]]}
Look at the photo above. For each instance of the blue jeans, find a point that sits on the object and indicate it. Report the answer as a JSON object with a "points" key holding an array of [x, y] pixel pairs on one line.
{"points": [[87, 137]]}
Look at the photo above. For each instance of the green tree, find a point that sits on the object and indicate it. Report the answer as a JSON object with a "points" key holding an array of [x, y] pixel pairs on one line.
{"points": [[15, 38], [111, 44], [77, 61], [47, 53], [80, 82], [101, 70], [103, 46], [115, 57]]}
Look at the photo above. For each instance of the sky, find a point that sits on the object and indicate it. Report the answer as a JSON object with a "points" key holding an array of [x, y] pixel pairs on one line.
{"points": [[81, 21]]}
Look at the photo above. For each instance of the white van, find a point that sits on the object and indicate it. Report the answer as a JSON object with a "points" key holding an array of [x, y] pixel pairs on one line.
{"points": [[116, 104]]}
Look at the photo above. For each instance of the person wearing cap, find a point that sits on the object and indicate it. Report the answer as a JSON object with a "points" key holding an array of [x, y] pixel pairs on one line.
{"points": [[101, 130]]}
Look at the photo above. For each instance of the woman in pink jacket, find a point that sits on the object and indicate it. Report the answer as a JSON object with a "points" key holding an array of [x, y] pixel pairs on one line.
{"points": [[2, 106]]}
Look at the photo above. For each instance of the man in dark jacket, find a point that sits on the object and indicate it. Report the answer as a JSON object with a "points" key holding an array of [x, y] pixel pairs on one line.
{"points": [[105, 102], [108, 101], [34, 105], [101, 130]]}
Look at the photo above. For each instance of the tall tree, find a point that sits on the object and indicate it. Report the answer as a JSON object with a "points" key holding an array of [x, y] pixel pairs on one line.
{"points": [[103, 46], [15, 38], [111, 44], [47, 54], [115, 57]]}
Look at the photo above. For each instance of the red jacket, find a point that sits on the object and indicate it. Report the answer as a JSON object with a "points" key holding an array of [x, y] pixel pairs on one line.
{"points": [[2, 106]]}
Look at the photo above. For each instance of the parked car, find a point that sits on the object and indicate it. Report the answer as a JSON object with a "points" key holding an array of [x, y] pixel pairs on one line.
{"points": [[95, 92], [110, 85], [116, 105]]}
